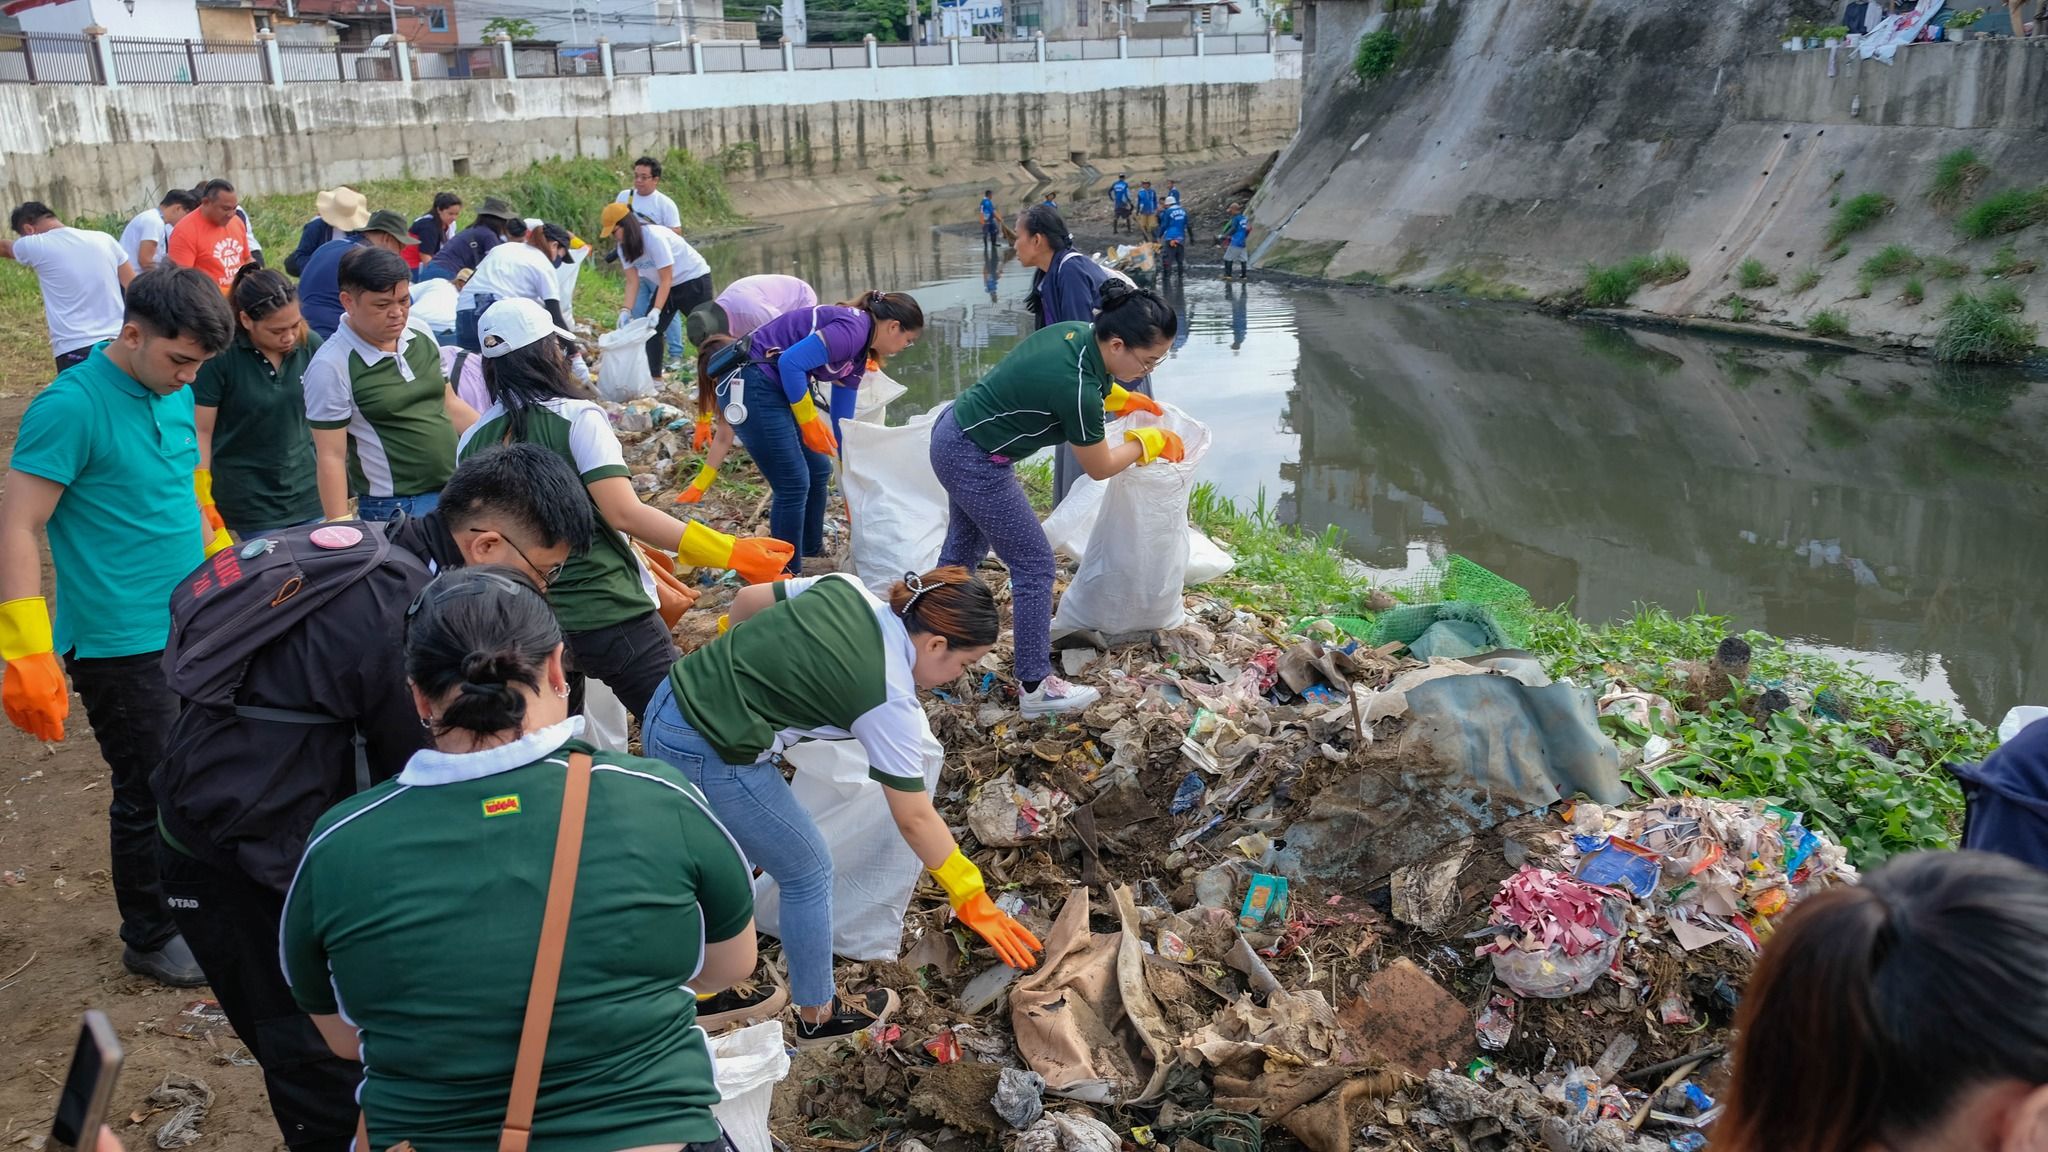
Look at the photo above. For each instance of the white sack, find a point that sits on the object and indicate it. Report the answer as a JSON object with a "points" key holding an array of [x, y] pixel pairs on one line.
{"points": [[895, 506], [622, 374], [748, 1063], [604, 717], [1070, 524], [872, 399], [1135, 561], [433, 304]]}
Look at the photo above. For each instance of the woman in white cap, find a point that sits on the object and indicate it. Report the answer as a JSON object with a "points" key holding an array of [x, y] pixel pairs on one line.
{"points": [[606, 597]]}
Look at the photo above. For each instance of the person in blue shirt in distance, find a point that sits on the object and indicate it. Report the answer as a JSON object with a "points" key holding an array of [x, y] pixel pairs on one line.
{"points": [[1148, 211], [989, 228], [1236, 232], [1173, 238], [1120, 201]]}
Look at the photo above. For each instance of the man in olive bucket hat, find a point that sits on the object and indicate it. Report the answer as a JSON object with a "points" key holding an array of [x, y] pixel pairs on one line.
{"points": [[467, 248]]}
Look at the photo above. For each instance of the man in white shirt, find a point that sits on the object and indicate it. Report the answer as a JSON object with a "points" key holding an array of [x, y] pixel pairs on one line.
{"points": [[521, 269], [653, 206], [145, 235], [83, 276]]}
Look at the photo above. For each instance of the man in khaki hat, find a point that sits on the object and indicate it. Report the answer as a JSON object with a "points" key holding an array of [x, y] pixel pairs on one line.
{"points": [[320, 284], [339, 211]]}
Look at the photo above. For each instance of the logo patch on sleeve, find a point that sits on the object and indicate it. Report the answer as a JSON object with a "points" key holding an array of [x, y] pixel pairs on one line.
{"points": [[501, 806]]}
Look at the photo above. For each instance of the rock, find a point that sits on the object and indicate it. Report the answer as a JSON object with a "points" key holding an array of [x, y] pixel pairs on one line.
{"points": [[1407, 1019]]}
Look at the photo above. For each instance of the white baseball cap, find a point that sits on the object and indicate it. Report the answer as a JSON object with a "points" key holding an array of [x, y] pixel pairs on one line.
{"points": [[514, 323]]}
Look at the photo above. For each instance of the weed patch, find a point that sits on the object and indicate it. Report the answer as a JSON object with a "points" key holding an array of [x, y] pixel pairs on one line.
{"points": [[1828, 322], [1857, 213], [2003, 212], [1914, 292], [1279, 568], [1943, 268], [1752, 275], [2007, 262], [1892, 260], [1956, 177], [1613, 285], [1377, 54], [1977, 330], [1804, 280]]}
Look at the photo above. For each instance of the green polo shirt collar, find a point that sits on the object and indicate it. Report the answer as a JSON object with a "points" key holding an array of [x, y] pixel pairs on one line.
{"points": [[371, 355], [429, 767]]}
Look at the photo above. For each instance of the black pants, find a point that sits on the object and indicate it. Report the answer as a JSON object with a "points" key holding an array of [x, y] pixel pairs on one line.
{"points": [[131, 710], [631, 658], [75, 356], [232, 923], [682, 300]]}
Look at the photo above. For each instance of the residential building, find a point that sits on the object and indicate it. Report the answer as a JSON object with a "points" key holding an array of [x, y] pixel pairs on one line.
{"points": [[431, 26], [141, 19], [579, 22]]}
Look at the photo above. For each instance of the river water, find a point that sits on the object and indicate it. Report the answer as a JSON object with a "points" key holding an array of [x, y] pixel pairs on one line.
{"points": [[1877, 510]]}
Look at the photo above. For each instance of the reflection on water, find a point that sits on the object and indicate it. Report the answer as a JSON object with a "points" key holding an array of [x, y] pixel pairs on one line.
{"points": [[1875, 510]]}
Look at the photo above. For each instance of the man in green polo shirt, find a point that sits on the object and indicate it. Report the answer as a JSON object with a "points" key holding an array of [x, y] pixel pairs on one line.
{"points": [[104, 464], [384, 417]]}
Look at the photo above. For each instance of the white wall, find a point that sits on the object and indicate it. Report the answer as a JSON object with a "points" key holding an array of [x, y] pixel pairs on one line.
{"points": [[153, 19]]}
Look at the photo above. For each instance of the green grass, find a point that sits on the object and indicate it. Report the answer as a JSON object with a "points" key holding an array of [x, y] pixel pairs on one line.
{"points": [[1279, 568], [1892, 260], [2003, 212], [1377, 54], [1857, 213], [1978, 330], [1036, 476], [1829, 323], [1738, 307], [1865, 285], [1914, 292], [2005, 298], [1943, 268], [1956, 177], [1752, 274], [1804, 280], [1614, 285], [2007, 262]]}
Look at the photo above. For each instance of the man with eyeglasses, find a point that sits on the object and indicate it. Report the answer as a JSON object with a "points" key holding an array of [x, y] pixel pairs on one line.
{"points": [[314, 714]]}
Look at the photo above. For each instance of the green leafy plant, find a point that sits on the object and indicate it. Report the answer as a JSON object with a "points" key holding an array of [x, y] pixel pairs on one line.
{"points": [[1977, 330], [1865, 284], [1956, 177], [1752, 274], [1279, 568], [1377, 54], [1892, 260], [1914, 292], [1834, 32], [2002, 212], [2006, 262], [1857, 213], [1829, 323], [512, 27], [1966, 19], [1804, 280]]}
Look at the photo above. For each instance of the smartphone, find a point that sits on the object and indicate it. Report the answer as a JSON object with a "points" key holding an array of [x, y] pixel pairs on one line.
{"points": [[88, 1087]]}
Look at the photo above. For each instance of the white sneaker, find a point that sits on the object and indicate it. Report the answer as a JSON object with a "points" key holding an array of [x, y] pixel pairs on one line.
{"points": [[1055, 695]]}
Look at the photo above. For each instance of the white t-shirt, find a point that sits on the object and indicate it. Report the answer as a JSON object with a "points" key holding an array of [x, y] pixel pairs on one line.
{"points": [[654, 209], [665, 249], [514, 270], [80, 271], [145, 227]]}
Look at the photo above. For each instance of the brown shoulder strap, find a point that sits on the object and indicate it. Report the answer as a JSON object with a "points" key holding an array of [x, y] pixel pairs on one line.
{"points": [[547, 964]]}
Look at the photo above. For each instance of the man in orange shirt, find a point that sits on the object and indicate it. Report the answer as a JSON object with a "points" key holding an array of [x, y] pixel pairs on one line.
{"points": [[212, 237]]}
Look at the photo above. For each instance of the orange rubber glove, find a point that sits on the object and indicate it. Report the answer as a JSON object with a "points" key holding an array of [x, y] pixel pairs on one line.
{"points": [[1013, 943], [757, 559], [1122, 402], [706, 476], [702, 435], [34, 694], [1159, 444], [217, 536], [816, 432]]}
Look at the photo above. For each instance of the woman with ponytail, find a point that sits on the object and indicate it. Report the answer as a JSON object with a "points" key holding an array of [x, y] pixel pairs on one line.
{"points": [[824, 658], [1907, 1014], [1057, 387], [413, 923], [766, 394], [249, 403], [681, 277], [745, 305]]}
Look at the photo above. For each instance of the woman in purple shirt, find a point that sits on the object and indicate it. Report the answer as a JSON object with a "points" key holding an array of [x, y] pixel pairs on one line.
{"points": [[766, 396]]}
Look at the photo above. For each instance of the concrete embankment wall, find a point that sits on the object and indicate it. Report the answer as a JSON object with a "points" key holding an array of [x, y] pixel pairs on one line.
{"points": [[1517, 142], [805, 138]]}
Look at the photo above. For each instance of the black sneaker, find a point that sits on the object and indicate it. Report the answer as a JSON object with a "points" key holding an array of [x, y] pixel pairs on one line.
{"points": [[171, 964], [743, 1004], [873, 1010]]}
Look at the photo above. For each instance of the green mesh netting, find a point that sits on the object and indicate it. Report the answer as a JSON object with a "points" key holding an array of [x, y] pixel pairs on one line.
{"points": [[1455, 588]]}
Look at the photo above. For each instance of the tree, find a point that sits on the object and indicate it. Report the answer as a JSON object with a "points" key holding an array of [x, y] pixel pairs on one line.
{"points": [[511, 26]]}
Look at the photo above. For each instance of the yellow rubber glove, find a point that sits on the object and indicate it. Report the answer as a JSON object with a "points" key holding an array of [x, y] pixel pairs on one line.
{"points": [[702, 435], [724, 623], [1122, 402], [217, 536], [1013, 943], [706, 477], [758, 559], [33, 692], [1159, 444], [815, 432]]}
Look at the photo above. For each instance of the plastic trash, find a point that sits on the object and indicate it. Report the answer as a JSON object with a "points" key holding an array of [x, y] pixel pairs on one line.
{"points": [[1070, 524], [1019, 1098], [1134, 565], [1552, 975], [623, 374], [749, 1062], [1621, 864], [895, 505], [1005, 814], [1188, 794], [605, 719], [1266, 897], [2018, 717]]}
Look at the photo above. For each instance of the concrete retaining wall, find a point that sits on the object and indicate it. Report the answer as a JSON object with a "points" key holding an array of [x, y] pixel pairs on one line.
{"points": [[86, 149]]}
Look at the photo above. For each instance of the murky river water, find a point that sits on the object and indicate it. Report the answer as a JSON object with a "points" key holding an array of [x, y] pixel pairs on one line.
{"points": [[1882, 511]]}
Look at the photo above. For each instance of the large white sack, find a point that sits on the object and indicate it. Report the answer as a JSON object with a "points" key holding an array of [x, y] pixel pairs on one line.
{"points": [[748, 1063], [877, 391], [604, 717], [873, 870], [1071, 523], [622, 372], [1135, 562], [895, 506], [433, 304]]}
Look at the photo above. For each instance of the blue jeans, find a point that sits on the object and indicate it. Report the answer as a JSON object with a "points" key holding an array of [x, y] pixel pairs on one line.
{"points": [[755, 804], [799, 477], [465, 322], [388, 507], [645, 304]]}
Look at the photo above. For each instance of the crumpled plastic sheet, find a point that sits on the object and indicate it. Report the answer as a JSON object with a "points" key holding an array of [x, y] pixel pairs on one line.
{"points": [[1019, 1098], [1550, 910], [1069, 1132], [191, 1097]]}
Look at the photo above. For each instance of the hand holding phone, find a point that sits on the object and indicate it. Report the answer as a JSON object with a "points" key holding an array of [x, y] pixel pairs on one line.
{"points": [[88, 1087]]}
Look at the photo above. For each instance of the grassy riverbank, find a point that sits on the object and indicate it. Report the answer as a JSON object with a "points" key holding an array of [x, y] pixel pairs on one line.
{"points": [[1861, 756]]}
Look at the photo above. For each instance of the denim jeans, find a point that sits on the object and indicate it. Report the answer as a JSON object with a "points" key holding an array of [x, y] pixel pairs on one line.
{"points": [[755, 804], [465, 322], [388, 507], [645, 304], [799, 477], [131, 709]]}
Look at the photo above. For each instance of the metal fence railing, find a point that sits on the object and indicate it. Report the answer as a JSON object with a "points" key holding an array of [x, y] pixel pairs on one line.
{"points": [[460, 62], [49, 59]]}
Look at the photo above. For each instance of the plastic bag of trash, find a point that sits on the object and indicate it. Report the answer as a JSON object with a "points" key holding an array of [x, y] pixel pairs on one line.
{"points": [[895, 505], [873, 870], [1136, 559], [877, 391], [623, 374], [749, 1062], [1070, 525]]}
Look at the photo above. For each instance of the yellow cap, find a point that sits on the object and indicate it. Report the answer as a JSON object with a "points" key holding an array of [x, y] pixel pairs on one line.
{"points": [[610, 217]]}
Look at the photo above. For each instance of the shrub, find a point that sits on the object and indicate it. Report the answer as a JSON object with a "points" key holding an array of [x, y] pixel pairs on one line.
{"points": [[1805, 279], [2006, 262], [1857, 213], [1914, 292], [1752, 274], [1378, 52], [1956, 177], [1827, 322], [1892, 260], [1977, 330], [2003, 212]]}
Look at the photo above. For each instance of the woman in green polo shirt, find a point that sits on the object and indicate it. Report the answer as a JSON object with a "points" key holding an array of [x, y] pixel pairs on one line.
{"points": [[1054, 388], [255, 446], [411, 927], [822, 657], [606, 597]]}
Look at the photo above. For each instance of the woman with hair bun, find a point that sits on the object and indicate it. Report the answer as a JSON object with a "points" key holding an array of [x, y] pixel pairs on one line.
{"points": [[412, 927], [1909, 1014], [824, 658], [1057, 387]]}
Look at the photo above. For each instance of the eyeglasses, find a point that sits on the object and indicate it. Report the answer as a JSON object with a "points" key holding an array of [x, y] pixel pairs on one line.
{"points": [[473, 582], [547, 576]]}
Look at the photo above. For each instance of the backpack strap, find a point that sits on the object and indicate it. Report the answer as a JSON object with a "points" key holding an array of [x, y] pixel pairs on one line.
{"points": [[547, 963]]}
